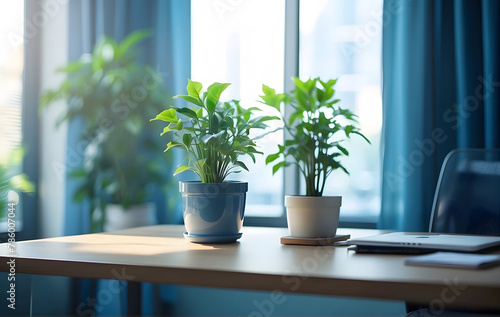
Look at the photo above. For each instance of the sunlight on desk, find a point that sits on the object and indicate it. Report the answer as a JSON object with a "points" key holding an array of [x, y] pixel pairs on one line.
{"points": [[136, 245]]}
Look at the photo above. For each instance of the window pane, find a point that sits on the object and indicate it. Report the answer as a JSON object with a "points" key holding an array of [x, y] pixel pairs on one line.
{"points": [[241, 43], [11, 69], [342, 38]]}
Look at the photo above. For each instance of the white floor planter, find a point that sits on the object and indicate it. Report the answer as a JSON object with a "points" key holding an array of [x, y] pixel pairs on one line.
{"points": [[313, 217], [136, 216]]}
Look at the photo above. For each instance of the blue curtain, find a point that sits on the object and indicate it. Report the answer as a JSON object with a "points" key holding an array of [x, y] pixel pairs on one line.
{"points": [[167, 50], [441, 82]]}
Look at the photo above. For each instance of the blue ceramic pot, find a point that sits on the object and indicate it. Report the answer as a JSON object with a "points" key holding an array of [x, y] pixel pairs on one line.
{"points": [[213, 209]]}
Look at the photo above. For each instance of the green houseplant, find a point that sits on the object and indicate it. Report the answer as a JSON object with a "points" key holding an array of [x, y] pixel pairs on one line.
{"points": [[215, 135], [114, 96], [318, 129]]}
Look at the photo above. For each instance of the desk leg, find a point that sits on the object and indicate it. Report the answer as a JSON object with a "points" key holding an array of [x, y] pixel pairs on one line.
{"points": [[134, 299]]}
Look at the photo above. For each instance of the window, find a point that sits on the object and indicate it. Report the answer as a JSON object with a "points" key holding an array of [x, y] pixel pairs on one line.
{"points": [[228, 45], [243, 42], [11, 70], [340, 38]]}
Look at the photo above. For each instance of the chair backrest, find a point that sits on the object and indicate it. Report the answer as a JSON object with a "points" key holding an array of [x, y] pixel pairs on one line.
{"points": [[467, 198]]}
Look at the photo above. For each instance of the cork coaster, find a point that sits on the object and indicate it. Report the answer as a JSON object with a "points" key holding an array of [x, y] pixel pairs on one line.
{"points": [[314, 241]]}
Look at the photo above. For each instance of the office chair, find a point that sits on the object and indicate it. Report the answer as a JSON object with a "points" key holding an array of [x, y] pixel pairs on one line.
{"points": [[466, 201], [467, 197]]}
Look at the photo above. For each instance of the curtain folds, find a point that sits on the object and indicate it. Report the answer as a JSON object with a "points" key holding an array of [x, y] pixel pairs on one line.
{"points": [[168, 50], [440, 91]]}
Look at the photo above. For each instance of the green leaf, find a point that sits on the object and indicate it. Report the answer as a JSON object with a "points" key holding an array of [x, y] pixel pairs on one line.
{"points": [[272, 99], [22, 183], [181, 169], [111, 187], [272, 157], [242, 165], [187, 112], [214, 92], [263, 119], [278, 166], [201, 162], [80, 195], [342, 149], [199, 113], [302, 101], [169, 115], [348, 129], [190, 99], [104, 53], [212, 137], [171, 145], [179, 125], [214, 124], [299, 84], [328, 88], [229, 121], [344, 169], [78, 173], [131, 40], [320, 95], [268, 90], [310, 84], [251, 149], [72, 67], [362, 135], [166, 129], [252, 156], [330, 83], [194, 88], [186, 139], [48, 97], [294, 116]]}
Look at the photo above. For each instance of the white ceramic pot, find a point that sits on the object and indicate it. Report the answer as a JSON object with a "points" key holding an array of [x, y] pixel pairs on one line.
{"points": [[135, 216], [313, 217]]}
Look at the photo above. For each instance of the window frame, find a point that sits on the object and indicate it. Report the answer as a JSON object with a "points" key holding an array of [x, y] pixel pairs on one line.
{"points": [[291, 179], [31, 126]]}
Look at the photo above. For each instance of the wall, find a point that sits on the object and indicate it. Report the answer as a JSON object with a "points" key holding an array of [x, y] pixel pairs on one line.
{"points": [[52, 142], [53, 30]]}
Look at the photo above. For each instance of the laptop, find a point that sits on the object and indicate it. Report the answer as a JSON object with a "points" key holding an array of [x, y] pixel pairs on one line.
{"points": [[414, 242]]}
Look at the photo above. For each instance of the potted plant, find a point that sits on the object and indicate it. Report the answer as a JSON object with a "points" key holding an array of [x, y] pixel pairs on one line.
{"points": [[318, 128], [215, 136], [114, 96]]}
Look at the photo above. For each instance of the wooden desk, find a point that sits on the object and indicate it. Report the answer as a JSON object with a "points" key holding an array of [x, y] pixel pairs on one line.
{"points": [[160, 254]]}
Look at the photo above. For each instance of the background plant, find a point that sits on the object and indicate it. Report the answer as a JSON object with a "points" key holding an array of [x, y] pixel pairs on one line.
{"points": [[12, 179], [114, 96], [314, 124], [215, 135]]}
